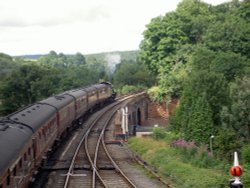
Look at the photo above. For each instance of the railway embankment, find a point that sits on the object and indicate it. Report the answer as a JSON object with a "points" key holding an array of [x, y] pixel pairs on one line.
{"points": [[179, 162], [173, 165]]}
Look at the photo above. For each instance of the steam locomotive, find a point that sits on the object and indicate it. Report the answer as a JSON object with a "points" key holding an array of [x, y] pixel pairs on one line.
{"points": [[27, 136]]}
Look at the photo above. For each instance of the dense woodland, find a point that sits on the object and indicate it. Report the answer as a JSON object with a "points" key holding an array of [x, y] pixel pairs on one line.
{"points": [[25, 80], [200, 54]]}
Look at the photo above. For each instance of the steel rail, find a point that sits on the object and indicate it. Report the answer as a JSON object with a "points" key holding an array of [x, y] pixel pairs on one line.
{"points": [[71, 168], [118, 169], [98, 146], [70, 171], [93, 162]]}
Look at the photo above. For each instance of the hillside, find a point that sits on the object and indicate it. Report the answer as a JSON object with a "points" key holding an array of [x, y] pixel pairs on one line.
{"points": [[97, 57]]}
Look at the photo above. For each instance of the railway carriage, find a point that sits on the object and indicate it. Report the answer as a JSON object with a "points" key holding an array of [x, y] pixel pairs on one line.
{"points": [[17, 154], [92, 97], [28, 135], [81, 101], [42, 119], [65, 107]]}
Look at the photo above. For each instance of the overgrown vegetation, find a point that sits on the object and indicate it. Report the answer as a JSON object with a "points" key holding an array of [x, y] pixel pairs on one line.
{"points": [[200, 54], [184, 163]]}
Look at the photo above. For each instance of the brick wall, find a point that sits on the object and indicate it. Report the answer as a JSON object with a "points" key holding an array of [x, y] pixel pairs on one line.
{"points": [[156, 110]]}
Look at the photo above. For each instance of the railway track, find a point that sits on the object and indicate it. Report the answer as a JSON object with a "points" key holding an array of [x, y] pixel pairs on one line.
{"points": [[85, 161]]}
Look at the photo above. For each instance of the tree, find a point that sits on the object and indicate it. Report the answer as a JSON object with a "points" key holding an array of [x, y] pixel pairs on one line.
{"points": [[236, 115], [200, 125], [132, 73], [6, 65], [79, 59], [197, 52], [230, 28], [194, 16], [202, 99], [25, 86], [161, 40]]}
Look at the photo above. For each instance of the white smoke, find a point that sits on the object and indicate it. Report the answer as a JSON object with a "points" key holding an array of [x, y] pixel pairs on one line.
{"points": [[112, 60]]}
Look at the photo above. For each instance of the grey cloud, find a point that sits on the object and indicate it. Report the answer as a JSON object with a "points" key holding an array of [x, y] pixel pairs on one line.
{"points": [[92, 15], [12, 22]]}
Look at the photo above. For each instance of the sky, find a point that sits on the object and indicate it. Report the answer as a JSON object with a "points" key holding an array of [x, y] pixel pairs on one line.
{"points": [[71, 26]]}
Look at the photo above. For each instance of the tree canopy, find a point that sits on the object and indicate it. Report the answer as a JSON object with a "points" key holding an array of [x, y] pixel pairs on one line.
{"points": [[200, 54]]}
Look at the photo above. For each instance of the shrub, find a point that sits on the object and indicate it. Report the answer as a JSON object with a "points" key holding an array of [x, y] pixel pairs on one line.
{"points": [[130, 89], [196, 155], [159, 133], [246, 154]]}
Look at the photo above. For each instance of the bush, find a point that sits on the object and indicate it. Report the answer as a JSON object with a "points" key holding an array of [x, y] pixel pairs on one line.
{"points": [[159, 133], [193, 154], [130, 89], [170, 164], [246, 154]]}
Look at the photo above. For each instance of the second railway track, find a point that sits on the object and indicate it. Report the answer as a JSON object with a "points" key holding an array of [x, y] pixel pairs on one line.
{"points": [[85, 161]]}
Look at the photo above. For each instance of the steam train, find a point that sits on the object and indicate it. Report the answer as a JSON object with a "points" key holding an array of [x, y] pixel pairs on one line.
{"points": [[27, 136]]}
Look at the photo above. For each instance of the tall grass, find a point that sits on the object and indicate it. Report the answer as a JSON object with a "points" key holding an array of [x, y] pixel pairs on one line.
{"points": [[182, 162]]}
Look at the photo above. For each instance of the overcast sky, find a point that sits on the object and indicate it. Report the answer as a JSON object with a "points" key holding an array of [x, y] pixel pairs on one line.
{"points": [[70, 26]]}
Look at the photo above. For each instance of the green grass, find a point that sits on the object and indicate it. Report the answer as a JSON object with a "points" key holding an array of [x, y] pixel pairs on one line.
{"points": [[172, 165]]}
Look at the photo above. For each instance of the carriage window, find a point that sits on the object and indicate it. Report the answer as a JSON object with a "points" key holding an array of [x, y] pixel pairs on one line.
{"points": [[29, 151], [14, 171], [20, 163], [8, 180], [25, 157]]}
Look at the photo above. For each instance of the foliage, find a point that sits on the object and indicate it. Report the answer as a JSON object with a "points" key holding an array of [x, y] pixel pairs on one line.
{"points": [[154, 94], [60, 60], [200, 54], [199, 156], [25, 86], [246, 154], [235, 116], [6, 65], [132, 73], [162, 38], [172, 163], [199, 106], [127, 89], [159, 133], [53, 73]]}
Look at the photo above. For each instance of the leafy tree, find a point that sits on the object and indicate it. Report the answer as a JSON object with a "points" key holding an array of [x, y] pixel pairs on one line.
{"points": [[200, 105], [6, 65], [25, 86], [194, 16], [132, 73], [200, 125], [197, 52], [236, 115], [161, 40], [60, 60], [229, 64], [230, 28], [79, 59]]}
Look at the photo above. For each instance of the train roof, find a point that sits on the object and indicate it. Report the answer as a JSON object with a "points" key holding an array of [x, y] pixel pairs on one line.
{"points": [[94, 87], [13, 137], [58, 101], [89, 89], [98, 86], [77, 93], [34, 116]]}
